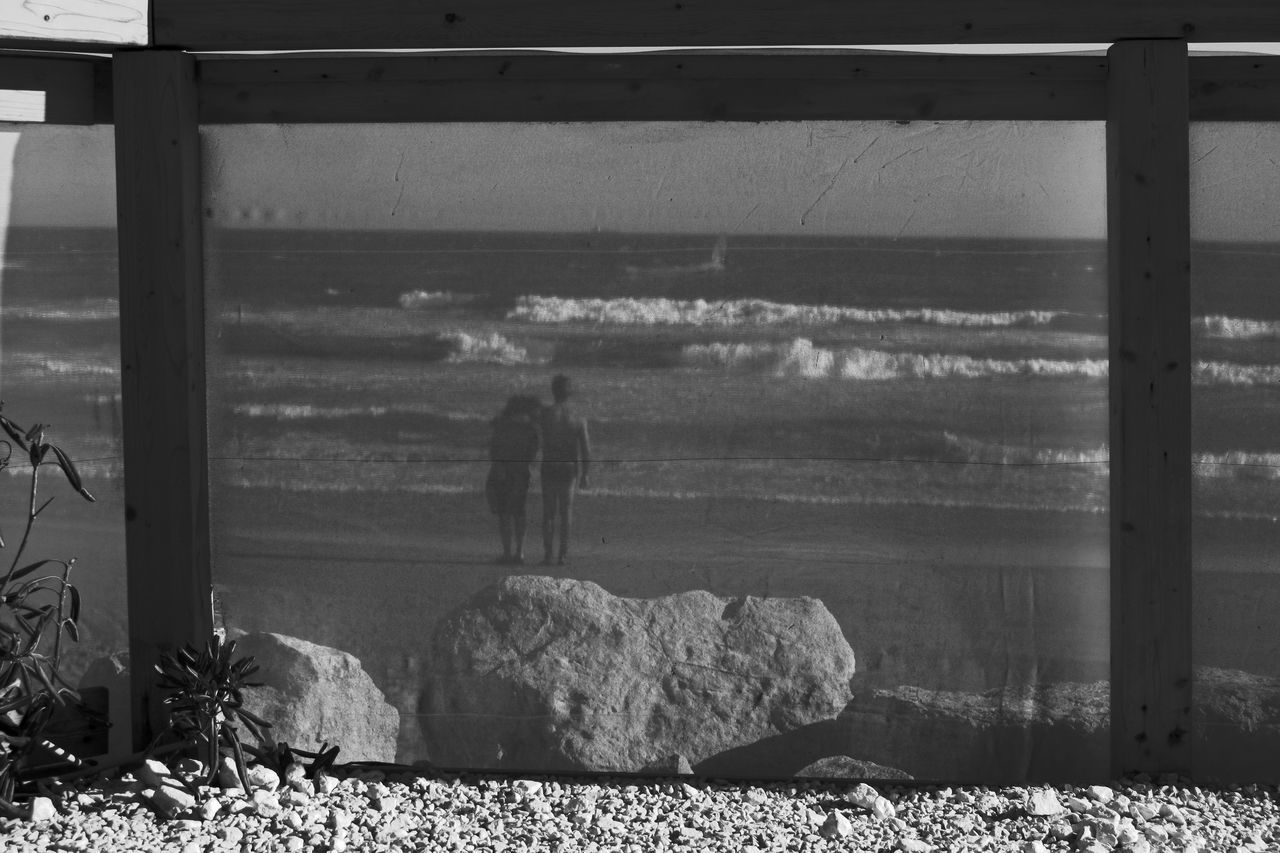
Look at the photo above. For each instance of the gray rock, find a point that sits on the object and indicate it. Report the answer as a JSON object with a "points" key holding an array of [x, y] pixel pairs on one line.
{"points": [[559, 674], [315, 694], [42, 809], [844, 767]]}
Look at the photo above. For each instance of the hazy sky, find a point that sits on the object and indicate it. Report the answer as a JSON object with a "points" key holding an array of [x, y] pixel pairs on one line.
{"points": [[814, 178], [875, 178]]}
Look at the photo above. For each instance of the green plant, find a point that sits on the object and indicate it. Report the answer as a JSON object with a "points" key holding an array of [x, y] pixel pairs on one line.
{"points": [[35, 609], [207, 698]]}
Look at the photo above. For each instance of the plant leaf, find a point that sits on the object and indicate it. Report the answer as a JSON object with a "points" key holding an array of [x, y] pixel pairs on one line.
{"points": [[73, 476], [14, 431], [26, 570], [75, 603]]}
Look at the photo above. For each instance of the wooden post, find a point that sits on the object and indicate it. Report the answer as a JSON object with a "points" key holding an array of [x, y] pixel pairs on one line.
{"points": [[1150, 368], [162, 364]]}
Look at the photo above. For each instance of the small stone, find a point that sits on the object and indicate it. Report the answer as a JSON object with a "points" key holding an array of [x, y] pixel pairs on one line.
{"points": [[294, 821], [209, 808], [294, 844], [1101, 793], [1173, 814], [836, 826], [325, 783], [227, 775], [864, 795], [169, 800], [883, 809], [265, 803], [1096, 847], [42, 810], [262, 777], [914, 845], [155, 773], [689, 791], [1034, 847], [1043, 803], [1141, 811], [527, 787], [1078, 805], [231, 835]]}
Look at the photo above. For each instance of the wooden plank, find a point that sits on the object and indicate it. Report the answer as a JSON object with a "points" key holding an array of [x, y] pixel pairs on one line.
{"points": [[338, 24], [1235, 88], [1149, 239], [576, 88], [67, 88], [162, 364], [75, 22]]}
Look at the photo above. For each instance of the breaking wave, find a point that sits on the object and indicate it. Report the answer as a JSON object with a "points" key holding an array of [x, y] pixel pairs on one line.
{"points": [[1238, 463], [433, 298], [1236, 328], [1230, 373], [801, 358], [750, 312], [88, 309], [491, 348], [306, 411]]}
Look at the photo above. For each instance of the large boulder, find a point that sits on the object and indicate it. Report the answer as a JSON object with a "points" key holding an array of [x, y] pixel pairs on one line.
{"points": [[313, 694], [558, 674]]}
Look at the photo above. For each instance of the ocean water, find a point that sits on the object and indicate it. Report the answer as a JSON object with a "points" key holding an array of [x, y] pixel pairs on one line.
{"points": [[914, 431]]}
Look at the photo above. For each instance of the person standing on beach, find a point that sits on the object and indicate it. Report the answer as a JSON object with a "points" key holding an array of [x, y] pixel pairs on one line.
{"points": [[566, 462], [512, 449]]}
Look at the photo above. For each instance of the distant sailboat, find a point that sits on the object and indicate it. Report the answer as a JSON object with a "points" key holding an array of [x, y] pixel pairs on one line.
{"points": [[715, 264]]}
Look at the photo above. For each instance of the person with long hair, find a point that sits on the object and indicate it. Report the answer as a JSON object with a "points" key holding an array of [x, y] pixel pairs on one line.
{"points": [[513, 447]]}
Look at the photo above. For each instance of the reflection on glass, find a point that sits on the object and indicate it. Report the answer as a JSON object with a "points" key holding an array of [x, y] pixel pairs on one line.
{"points": [[1235, 338], [842, 389], [60, 365]]}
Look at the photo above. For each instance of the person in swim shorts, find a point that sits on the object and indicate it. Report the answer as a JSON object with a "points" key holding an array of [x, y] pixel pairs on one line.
{"points": [[566, 462]]}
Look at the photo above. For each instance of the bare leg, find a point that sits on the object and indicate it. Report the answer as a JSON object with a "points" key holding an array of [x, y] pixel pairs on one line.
{"points": [[548, 522], [566, 519], [504, 531], [519, 522]]}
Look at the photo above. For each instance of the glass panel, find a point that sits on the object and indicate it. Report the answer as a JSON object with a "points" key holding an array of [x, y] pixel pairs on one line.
{"points": [[60, 365], [845, 390], [1235, 410]]}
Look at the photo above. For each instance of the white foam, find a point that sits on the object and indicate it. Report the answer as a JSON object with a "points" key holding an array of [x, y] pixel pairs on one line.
{"points": [[1236, 328], [749, 312], [418, 299], [490, 348], [1231, 373], [801, 358], [88, 309]]}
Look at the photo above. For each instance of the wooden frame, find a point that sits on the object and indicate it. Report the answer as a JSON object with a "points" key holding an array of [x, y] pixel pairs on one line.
{"points": [[335, 25], [1146, 90], [162, 366], [1149, 273]]}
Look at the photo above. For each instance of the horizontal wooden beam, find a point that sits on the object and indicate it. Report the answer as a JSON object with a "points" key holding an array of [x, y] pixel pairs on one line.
{"points": [[1235, 88], [65, 23], [75, 90], [341, 24], [735, 87]]}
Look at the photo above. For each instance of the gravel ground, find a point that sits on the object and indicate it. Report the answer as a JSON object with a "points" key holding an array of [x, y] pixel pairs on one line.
{"points": [[371, 810]]}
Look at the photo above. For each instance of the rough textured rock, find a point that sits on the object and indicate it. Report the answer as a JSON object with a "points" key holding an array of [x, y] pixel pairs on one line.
{"points": [[558, 674], [845, 767], [313, 694]]}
